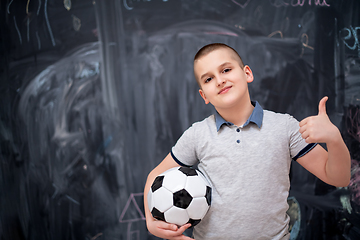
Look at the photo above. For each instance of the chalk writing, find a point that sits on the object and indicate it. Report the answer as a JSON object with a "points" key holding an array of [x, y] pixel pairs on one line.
{"points": [[305, 41], [274, 33], [243, 4], [130, 205], [296, 3], [350, 37], [130, 4]]}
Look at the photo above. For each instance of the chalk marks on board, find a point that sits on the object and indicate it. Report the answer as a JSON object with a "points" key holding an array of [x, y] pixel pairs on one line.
{"points": [[352, 138], [96, 236], [28, 20], [48, 23], [223, 33], [350, 37], [285, 3], [132, 208], [67, 4], [76, 22], [242, 4], [297, 3], [305, 43], [304, 40], [17, 30], [132, 205], [275, 33], [35, 26], [128, 3]]}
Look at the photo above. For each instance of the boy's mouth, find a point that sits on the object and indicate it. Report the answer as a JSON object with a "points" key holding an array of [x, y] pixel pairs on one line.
{"points": [[224, 90]]}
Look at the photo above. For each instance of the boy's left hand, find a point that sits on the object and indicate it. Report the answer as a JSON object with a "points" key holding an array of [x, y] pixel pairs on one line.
{"points": [[319, 128]]}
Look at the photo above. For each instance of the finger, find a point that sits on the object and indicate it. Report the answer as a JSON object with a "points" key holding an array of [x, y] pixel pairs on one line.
{"points": [[305, 135], [179, 233], [322, 105], [303, 122], [302, 129], [167, 226], [184, 227]]}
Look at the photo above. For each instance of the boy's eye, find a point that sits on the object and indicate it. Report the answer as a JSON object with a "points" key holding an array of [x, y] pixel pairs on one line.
{"points": [[226, 70], [208, 79]]}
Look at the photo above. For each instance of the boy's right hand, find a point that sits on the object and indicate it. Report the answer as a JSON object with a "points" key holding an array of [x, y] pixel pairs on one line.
{"points": [[156, 227], [168, 231]]}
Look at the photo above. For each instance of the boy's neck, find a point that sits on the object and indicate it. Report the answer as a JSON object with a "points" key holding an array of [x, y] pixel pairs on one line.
{"points": [[237, 115]]}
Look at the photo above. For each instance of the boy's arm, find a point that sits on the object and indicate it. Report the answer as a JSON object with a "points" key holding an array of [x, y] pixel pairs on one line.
{"points": [[332, 166], [160, 228]]}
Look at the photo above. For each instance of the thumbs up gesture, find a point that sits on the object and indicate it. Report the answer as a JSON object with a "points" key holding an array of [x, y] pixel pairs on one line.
{"points": [[319, 128]]}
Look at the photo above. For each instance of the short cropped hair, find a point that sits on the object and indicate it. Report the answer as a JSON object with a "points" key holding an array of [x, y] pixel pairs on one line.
{"points": [[215, 46], [212, 47]]}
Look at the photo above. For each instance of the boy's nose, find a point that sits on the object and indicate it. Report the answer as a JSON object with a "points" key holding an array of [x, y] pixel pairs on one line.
{"points": [[220, 81]]}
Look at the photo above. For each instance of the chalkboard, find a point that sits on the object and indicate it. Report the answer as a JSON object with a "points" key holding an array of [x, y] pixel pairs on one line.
{"points": [[94, 94]]}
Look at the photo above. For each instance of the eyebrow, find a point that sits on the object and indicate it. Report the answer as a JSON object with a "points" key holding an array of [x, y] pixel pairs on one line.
{"points": [[220, 66]]}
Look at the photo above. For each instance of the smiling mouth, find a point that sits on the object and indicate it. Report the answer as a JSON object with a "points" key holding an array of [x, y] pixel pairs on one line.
{"points": [[224, 90]]}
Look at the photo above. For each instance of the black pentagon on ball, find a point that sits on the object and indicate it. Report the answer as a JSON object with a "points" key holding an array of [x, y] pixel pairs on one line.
{"points": [[208, 195], [188, 171], [157, 214], [193, 222], [157, 183], [182, 199]]}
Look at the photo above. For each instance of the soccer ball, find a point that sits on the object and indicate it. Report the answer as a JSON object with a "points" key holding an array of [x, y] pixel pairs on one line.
{"points": [[180, 195]]}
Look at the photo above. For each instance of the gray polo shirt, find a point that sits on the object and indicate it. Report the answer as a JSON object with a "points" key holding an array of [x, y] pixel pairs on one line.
{"points": [[248, 167]]}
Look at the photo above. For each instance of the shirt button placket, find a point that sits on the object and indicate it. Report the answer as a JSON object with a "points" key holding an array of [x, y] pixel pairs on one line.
{"points": [[238, 130]]}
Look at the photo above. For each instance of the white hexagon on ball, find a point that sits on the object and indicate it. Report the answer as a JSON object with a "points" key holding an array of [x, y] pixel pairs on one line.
{"points": [[195, 186], [197, 208], [174, 181], [162, 199], [177, 216]]}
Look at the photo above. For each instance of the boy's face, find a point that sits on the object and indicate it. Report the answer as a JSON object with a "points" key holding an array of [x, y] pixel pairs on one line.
{"points": [[223, 82]]}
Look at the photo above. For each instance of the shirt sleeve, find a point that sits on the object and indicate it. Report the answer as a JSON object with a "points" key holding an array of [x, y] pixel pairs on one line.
{"points": [[184, 151], [298, 146]]}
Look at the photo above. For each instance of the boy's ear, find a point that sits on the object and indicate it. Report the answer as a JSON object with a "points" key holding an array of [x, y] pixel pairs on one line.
{"points": [[249, 74], [202, 94]]}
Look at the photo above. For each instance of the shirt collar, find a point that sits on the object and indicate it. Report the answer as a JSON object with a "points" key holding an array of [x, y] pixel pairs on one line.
{"points": [[255, 117]]}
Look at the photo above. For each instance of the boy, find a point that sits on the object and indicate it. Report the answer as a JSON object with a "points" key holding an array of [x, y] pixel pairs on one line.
{"points": [[245, 152]]}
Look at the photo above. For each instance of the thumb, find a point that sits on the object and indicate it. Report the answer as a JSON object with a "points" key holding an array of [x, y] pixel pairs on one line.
{"points": [[322, 105]]}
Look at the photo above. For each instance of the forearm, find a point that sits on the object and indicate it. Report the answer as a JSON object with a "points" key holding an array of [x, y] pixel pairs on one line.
{"points": [[149, 181], [166, 164], [161, 229], [338, 165]]}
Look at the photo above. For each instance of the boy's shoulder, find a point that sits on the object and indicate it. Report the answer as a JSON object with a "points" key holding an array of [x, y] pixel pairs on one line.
{"points": [[278, 119], [208, 121], [270, 113]]}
